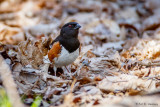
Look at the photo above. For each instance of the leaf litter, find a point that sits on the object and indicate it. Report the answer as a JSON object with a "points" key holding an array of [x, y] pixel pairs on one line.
{"points": [[118, 64]]}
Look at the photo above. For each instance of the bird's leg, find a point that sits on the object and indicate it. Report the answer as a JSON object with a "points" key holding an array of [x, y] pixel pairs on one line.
{"points": [[55, 70]]}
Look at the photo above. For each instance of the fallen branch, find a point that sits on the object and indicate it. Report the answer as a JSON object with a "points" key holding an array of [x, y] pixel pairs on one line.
{"points": [[9, 84], [148, 64]]}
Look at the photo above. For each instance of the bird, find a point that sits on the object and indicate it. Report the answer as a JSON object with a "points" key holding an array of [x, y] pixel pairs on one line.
{"points": [[65, 48]]}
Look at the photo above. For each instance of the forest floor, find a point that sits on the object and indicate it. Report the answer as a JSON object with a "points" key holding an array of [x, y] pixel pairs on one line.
{"points": [[119, 63]]}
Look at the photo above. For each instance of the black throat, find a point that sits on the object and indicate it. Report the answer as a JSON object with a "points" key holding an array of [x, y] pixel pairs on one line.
{"points": [[70, 44]]}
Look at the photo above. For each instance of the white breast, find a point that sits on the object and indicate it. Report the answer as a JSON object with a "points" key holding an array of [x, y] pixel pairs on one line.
{"points": [[66, 58]]}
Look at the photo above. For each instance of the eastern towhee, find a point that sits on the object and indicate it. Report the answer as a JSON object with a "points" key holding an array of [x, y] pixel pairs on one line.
{"points": [[66, 47]]}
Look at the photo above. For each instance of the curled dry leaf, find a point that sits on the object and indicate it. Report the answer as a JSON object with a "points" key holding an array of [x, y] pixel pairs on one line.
{"points": [[104, 29], [151, 23], [103, 50], [103, 63], [42, 29], [125, 82], [31, 53], [8, 35], [127, 15], [145, 49]]}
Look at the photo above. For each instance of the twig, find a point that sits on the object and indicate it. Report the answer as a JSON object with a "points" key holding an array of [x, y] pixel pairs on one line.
{"points": [[9, 84], [72, 85], [148, 64]]}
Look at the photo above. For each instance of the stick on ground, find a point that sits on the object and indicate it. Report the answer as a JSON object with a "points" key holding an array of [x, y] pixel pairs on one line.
{"points": [[9, 84]]}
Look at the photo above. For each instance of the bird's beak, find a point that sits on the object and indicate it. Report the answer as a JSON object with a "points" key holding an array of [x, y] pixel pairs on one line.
{"points": [[77, 26]]}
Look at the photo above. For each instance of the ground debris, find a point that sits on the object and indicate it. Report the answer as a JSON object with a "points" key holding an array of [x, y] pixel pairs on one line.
{"points": [[119, 62]]}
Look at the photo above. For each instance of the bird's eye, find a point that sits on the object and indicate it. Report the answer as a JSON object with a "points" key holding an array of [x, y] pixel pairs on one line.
{"points": [[69, 25]]}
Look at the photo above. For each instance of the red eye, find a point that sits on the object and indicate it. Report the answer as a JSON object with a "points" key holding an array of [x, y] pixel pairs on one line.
{"points": [[69, 25]]}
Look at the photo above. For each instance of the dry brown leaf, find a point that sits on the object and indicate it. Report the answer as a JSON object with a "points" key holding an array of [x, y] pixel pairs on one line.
{"points": [[31, 53], [124, 82]]}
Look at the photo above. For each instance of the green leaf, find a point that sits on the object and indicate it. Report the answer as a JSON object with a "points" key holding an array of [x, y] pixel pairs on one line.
{"points": [[4, 100], [36, 102]]}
